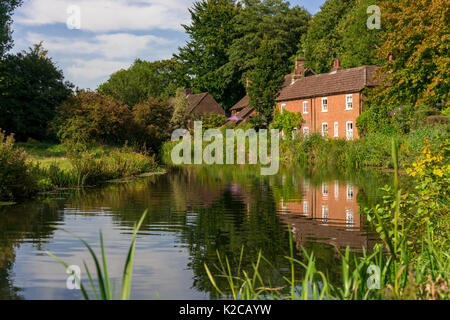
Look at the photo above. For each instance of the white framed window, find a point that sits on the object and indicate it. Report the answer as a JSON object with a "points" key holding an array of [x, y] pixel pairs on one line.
{"points": [[324, 104], [349, 102], [283, 106], [325, 189], [349, 217], [306, 208], [306, 131], [350, 191], [324, 129], [325, 213], [305, 106], [294, 133], [336, 189], [349, 130], [336, 130]]}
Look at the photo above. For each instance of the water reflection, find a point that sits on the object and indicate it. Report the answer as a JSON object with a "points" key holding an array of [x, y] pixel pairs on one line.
{"points": [[193, 212]]}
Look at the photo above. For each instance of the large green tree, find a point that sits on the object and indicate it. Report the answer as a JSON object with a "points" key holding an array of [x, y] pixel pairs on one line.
{"points": [[30, 88], [272, 20], [211, 33], [418, 37], [323, 39], [143, 80], [358, 44], [6, 9], [266, 79]]}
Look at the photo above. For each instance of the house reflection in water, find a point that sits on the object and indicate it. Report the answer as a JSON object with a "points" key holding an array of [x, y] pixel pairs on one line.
{"points": [[326, 213]]}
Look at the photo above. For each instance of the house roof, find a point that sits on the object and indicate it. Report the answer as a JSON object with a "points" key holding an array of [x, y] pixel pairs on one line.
{"points": [[195, 99], [341, 81], [241, 104]]}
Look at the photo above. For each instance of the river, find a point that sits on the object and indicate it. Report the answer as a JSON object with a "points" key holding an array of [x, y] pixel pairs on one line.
{"points": [[193, 212]]}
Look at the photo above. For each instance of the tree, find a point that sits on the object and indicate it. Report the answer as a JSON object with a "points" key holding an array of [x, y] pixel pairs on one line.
{"points": [[211, 33], [272, 21], [323, 41], [6, 9], [266, 80], [180, 115], [141, 81], [31, 87], [358, 44], [418, 38], [152, 122]]}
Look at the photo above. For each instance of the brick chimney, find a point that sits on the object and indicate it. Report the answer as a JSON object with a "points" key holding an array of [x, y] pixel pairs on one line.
{"points": [[299, 71], [336, 65]]}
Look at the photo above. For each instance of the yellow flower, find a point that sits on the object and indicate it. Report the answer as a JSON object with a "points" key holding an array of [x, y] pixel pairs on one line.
{"points": [[438, 172]]}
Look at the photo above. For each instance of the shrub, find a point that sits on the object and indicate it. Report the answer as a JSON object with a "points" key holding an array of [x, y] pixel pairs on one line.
{"points": [[17, 176], [152, 122], [90, 117], [213, 120], [286, 121]]}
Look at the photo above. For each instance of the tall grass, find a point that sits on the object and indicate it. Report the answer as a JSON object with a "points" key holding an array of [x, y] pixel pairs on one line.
{"points": [[105, 290]]}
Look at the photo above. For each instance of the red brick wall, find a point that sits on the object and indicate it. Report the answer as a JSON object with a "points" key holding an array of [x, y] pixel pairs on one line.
{"points": [[336, 113]]}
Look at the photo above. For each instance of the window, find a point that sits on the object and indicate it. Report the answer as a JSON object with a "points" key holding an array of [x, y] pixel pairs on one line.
{"points": [[305, 208], [283, 106], [336, 130], [305, 106], [349, 191], [324, 104], [349, 217], [305, 131], [294, 133], [325, 214], [324, 129], [336, 189], [349, 102], [325, 189], [349, 130]]}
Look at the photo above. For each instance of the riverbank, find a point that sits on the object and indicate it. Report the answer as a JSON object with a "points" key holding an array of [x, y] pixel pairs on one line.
{"points": [[33, 167]]}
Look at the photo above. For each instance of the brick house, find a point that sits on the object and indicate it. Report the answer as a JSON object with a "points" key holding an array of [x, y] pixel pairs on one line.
{"points": [[329, 103]]}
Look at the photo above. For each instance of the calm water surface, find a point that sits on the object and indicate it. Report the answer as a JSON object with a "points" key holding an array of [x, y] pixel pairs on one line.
{"points": [[192, 213]]}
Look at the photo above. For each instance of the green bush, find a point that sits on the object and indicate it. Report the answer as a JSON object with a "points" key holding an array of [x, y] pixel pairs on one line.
{"points": [[213, 121], [18, 178]]}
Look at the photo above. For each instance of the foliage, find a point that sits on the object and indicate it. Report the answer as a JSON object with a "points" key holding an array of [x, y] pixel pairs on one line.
{"points": [[152, 121], [180, 114], [323, 40], [30, 89], [91, 117], [106, 292], [213, 121], [287, 121], [17, 175], [268, 23], [266, 79], [417, 35], [6, 9], [211, 33], [358, 44], [142, 81]]}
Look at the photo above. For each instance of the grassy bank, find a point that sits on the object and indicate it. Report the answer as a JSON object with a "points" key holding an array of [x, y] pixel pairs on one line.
{"points": [[32, 167]]}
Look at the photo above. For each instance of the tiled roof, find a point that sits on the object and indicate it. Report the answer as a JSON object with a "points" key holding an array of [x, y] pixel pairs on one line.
{"points": [[241, 103], [194, 100], [344, 80]]}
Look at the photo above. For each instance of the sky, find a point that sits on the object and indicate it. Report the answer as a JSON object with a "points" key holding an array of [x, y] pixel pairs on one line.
{"points": [[109, 34]]}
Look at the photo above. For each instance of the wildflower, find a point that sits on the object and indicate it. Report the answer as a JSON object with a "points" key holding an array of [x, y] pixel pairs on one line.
{"points": [[438, 172]]}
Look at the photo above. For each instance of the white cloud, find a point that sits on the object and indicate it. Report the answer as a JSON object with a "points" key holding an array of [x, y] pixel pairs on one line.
{"points": [[94, 69], [109, 46], [108, 15]]}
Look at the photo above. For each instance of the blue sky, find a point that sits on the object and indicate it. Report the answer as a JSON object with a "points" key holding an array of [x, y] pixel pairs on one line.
{"points": [[113, 33]]}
